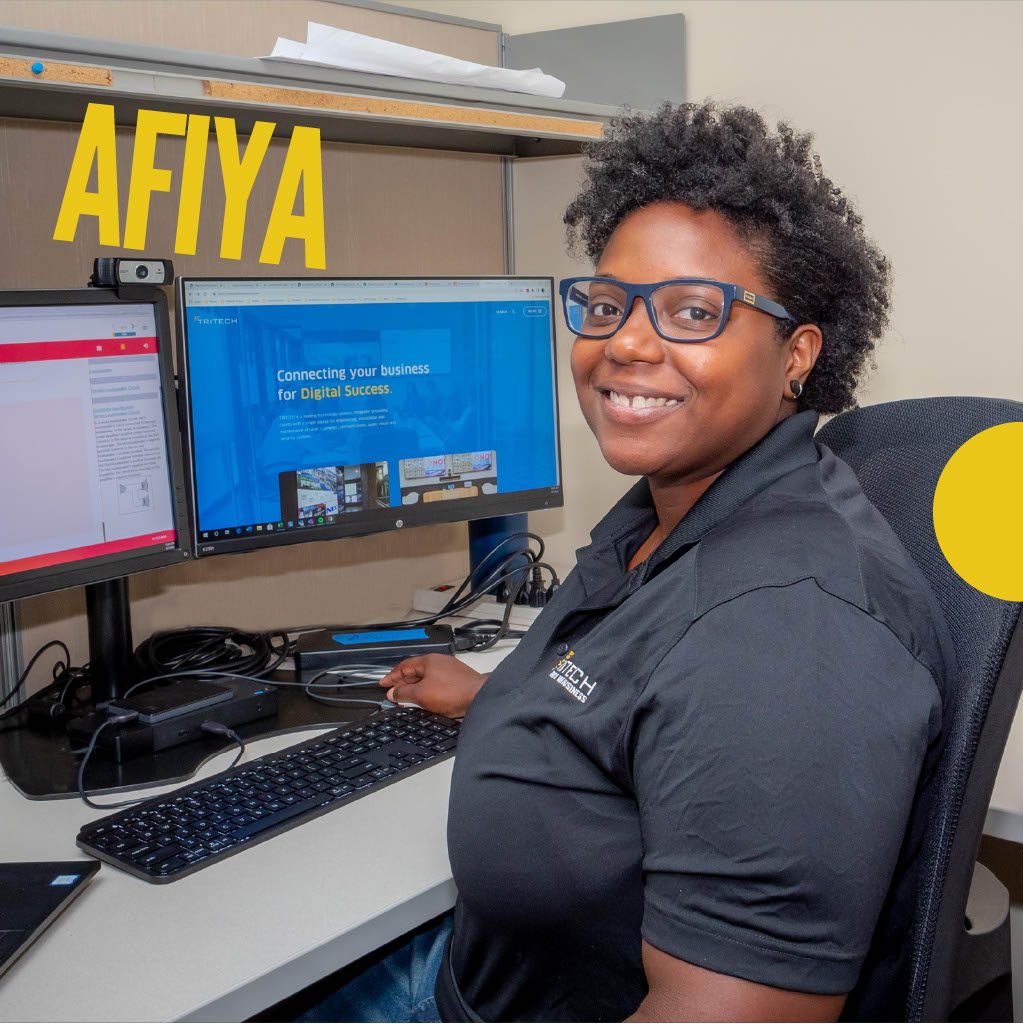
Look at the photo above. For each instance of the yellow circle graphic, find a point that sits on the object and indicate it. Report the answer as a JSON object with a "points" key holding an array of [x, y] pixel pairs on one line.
{"points": [[978, 511]]}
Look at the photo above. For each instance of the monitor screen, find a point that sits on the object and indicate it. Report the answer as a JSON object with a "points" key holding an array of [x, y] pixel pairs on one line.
{"points": [[85, 461], [320, 408]]}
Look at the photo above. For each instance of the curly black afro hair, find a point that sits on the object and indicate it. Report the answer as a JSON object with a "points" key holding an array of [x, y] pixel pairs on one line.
{"points": [[806, 236]]}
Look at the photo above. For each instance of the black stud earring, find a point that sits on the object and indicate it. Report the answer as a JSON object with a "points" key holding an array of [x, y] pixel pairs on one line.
{"points": [[796, 387]]}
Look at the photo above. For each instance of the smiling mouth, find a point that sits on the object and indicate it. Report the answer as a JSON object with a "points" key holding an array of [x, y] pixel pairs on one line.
{"points": [[620, 401], [636, 410]]}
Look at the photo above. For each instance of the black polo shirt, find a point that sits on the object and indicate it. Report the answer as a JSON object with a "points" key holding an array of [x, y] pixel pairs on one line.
{"points": [[716, 752]]}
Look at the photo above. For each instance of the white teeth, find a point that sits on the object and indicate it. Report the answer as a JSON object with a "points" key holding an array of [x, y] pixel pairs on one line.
{"points": [[640, 401]]}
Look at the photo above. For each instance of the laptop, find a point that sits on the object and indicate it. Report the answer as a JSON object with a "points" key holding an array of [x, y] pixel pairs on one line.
{"points": [[32, 895]]}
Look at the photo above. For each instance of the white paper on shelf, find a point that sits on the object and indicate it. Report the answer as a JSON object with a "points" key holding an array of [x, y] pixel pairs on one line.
{"points": [[339, 48]]}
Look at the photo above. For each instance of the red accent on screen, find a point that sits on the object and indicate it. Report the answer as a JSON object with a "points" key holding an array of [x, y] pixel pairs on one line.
{"points": [[111, 547], [37, 351]]}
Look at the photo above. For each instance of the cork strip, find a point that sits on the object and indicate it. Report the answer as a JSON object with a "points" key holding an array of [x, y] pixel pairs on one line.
{"points": [[78, 74], [380, 107]]}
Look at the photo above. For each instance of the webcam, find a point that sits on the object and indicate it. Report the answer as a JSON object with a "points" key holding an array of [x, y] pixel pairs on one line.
{"points": [[114, 272]]}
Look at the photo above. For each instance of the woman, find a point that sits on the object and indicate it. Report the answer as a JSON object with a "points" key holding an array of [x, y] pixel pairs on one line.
{"points": [[687, 794]]}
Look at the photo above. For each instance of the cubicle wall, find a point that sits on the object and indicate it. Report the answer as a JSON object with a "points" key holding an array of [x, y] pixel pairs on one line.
{"points": [[245, 28], [388, 211]]}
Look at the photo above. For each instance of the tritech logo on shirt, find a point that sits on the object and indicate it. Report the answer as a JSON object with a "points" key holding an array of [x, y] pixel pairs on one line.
{"points": [[572, 679]]}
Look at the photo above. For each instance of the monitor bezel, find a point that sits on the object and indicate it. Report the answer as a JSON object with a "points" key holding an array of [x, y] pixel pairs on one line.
{"points": [[396, 517], [110, 567]]}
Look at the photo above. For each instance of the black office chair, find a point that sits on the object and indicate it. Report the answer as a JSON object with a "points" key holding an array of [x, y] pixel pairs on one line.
{"points": [[960, 964]]}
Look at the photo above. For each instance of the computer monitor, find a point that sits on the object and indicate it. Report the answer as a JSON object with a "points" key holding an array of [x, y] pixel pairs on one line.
{"points": [[320, 408], [90, 456]]}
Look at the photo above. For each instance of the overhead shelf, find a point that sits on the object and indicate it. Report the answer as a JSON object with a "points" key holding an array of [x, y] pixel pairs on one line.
{"points": [[346, 106]]}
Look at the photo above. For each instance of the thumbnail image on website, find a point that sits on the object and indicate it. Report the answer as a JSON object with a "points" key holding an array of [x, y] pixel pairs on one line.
{"points": [[442, 477], [323, 493]]}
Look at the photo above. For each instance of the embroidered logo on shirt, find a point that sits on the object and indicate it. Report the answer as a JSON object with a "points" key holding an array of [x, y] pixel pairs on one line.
{"points": [[571, 678]]}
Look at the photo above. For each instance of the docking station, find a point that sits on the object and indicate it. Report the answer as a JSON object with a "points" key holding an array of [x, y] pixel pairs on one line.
{"points": [[250, 702], [328, 650]]}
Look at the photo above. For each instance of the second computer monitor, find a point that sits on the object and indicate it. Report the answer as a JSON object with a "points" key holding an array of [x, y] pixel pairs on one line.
{"points": [[319, 408], [90, 467]]}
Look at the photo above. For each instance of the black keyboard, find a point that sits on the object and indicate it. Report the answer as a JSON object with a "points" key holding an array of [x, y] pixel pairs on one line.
{"points": [[170, 836]]}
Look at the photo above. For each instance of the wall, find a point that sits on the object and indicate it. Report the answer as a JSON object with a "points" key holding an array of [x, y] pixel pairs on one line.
{"points": [[377, 223], [914, 107]]}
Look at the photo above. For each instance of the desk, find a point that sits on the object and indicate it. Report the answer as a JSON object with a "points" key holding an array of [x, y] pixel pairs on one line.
{"points": [[240, 935]]}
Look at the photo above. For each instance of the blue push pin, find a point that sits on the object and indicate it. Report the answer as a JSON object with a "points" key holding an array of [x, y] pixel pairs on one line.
{"points": [[38, 68]]}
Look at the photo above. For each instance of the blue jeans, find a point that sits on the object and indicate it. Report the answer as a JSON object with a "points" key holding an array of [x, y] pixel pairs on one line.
{"points": [[398, 987]]}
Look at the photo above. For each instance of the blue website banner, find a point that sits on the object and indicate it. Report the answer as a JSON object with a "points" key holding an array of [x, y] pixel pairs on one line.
{"points": [[297, 409]]}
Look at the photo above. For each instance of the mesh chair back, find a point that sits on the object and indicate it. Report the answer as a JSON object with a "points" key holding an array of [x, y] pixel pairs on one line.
{"points": [[897, 451]]}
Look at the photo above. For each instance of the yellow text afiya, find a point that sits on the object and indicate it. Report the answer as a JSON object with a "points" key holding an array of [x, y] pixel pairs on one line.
{"points": [[97, 148]]}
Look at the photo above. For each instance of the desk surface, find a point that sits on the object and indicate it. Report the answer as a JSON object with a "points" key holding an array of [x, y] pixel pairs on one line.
{"points": [[236, 937]]}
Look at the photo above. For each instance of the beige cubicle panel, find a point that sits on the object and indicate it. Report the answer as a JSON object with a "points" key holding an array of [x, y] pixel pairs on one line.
{"points": [[387, 211], [241, 28]]}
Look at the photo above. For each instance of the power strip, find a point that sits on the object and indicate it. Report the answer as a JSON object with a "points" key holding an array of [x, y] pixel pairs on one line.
{"points": [[431, 601]]}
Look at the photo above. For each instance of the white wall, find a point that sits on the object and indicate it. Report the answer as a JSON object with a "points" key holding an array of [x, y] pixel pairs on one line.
{"points": [[916, 111]]}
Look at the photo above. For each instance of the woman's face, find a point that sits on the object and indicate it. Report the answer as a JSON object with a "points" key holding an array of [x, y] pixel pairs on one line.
{"points": [[730, 391]]}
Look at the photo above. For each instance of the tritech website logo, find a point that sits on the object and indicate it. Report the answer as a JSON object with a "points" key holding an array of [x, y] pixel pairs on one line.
{"points": [[214, 321]]}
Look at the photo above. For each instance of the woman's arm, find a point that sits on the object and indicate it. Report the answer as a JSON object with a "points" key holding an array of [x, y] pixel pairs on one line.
{"points": [[684, 992]]}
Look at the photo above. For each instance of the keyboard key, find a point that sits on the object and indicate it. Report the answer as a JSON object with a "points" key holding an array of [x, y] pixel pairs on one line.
{"points": [[170, 866], [158, 856]]}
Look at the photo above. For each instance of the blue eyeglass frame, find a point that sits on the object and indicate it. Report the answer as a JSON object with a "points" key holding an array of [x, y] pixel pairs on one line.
{"points": [[732, 293]]}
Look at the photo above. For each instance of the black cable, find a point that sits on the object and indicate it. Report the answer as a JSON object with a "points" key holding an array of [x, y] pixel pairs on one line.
{"points": [[35, 657], [212, 647], [527, 551], [209, 650], [128, 716], [477, 636], [502, 629], [76, 678], [273, 683], [372, 673], [219, 651], [219, 729], [482, 635], [495, 575]]}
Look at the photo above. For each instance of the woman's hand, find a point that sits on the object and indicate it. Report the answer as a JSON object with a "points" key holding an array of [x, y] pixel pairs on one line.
{"points": [[436, 682]]}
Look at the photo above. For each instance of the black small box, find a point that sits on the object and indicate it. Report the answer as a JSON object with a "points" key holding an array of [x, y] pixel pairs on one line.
{"points": [[251, 701], [329, 649]]}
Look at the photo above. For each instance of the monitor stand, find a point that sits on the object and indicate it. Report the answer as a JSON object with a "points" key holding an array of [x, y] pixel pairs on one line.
{"points": [[111, 659], [485, 535], [42, 763]]}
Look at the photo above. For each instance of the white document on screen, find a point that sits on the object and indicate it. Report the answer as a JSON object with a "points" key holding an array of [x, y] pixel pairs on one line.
{"points": [[353, 51]]}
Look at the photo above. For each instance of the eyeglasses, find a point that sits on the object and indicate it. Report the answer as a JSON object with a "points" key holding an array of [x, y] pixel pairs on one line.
{"points": [[685, 309]]}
